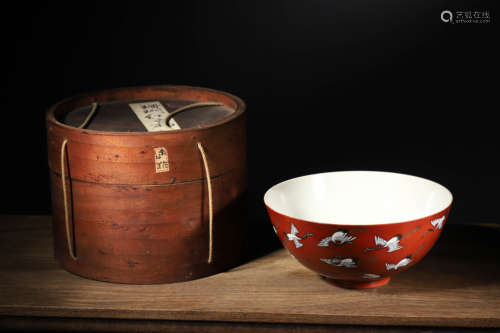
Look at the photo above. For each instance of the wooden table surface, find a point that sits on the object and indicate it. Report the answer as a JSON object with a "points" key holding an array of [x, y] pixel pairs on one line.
{"points": [[456, 286]]}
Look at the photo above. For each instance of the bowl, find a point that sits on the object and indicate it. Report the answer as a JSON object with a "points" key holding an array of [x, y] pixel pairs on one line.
{"points": [[358, 228]]}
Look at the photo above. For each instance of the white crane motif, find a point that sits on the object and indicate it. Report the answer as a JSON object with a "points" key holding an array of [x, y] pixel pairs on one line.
{"points": [[403, 262], [391, 245], [438, 223], [338, 238], [341, 262], [292, 236]]}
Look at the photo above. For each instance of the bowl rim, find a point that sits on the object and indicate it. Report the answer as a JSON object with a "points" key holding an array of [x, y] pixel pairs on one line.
{"points": [[440, 212]]}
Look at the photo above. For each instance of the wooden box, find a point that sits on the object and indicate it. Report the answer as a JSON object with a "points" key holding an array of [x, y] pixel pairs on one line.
{"points": [[137, 201]]}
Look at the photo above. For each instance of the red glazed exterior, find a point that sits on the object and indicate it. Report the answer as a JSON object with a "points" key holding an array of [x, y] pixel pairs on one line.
{"points": [[369, 265], [133, 225]]}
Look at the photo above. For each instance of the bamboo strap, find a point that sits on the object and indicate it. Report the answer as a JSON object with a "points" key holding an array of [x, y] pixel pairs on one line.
{"points": [[207, 172], [89, 116], [188, 107], [63, 178], [210, 204], [66, 214]]}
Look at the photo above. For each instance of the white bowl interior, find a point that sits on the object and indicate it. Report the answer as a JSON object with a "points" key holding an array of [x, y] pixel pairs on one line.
{"points": [[358, 197]]}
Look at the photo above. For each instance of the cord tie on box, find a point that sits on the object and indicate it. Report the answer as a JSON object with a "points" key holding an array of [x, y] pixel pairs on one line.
{"points": [[63, 179]]}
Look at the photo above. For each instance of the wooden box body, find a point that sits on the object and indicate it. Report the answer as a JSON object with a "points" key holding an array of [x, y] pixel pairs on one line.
{"points": [[129, 223]]}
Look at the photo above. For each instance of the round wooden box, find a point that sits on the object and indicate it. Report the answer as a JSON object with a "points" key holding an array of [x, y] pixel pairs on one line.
{"points": [[133, 205]]}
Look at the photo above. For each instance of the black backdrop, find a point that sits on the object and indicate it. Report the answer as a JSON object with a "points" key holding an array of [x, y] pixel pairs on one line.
{"points": [[329, 86]]}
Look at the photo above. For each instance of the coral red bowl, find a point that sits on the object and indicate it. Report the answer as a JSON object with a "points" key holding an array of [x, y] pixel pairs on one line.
{"points": [[358, 228]]}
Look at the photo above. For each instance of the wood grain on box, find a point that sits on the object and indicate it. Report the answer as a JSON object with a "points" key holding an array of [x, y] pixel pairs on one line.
{"points": [[148, 207]]}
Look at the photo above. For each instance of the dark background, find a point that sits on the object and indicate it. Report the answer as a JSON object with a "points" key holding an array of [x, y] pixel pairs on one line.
{"points": [[329, 86]]}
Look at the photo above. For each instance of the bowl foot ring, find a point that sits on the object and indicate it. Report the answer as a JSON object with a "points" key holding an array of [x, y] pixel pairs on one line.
{"points": [[358, 284]]}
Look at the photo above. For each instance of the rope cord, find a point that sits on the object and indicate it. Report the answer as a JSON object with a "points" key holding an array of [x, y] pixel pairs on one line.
{"points": [[188, 107], [63, 178], [210, 204], [66, 213], [89, 116]]}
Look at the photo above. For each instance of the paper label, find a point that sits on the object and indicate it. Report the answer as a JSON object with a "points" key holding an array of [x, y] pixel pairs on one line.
{"points": [[152, 115], [161, 160]]}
